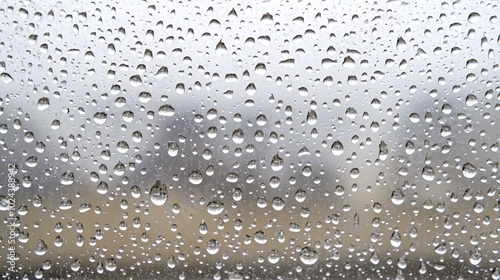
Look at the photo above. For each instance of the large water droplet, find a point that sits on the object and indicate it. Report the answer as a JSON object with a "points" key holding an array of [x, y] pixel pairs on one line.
{"points": [[260, 237], [166, 110], [277, 163], [308, 256], [67, 178], [238, 136], [396, 239], [6, 78], [158, 193], [100, 117], [135, 81], [375, 258], [428, 173], [215, 207], [401, 44], [43, 103], [41, 248], [469, 170], [397, 197], [196, 177], [110, 264], [273, 256], [337, 148], [278, 203], [213, 246]]}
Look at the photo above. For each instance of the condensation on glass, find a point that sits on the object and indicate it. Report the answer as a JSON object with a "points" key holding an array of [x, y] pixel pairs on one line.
{"points": [[250, 139]]}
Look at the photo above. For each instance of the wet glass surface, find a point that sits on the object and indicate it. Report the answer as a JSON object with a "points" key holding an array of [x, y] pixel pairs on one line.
{"points": [[249, 140]]}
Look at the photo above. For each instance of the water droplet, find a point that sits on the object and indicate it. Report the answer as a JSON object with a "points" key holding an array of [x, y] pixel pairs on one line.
{"points": [[6, 78], [300, 195], [422, 268], [41, 248], [173, 148], [273, 256], [471, 64], [237, 194], [441, 249], [375, 258], [308, 256], [469, 170], [238, 136], [213, 246], [67, 178], [337, 148], [428, 173], [162, 73], [312, 117], [100, 117], [196, 177], [232, 177], [474, 17], [281, 236], [110, 264], [144, 97], [43, 103], [383, 150], [397, 197], [215, 207], [351, 113], [396, 239], [475, 257], [401, 44], [203, 228], [471, 100], [260, 237], [135, 81], [166, 110], [278, 203], [328, 63], [277, 163], [158, 193], [122, 146], [409, 147], [261, 202]]}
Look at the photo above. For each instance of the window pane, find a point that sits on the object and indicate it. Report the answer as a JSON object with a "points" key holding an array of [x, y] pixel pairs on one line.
{"points": [[249, 140]]}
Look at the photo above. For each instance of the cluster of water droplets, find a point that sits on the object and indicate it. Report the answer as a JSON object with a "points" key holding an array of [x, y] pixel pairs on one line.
{"points": [[252, 141]]}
